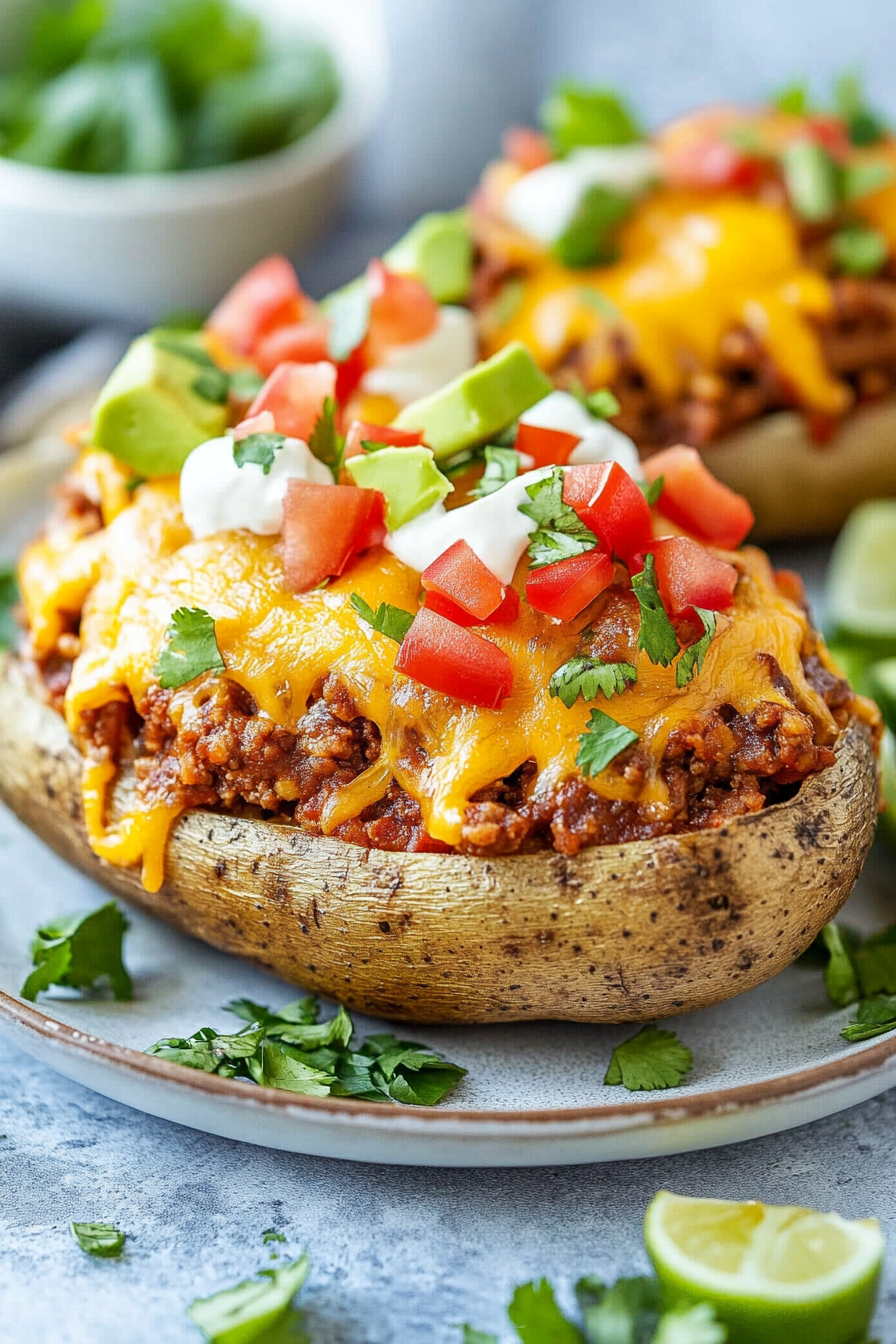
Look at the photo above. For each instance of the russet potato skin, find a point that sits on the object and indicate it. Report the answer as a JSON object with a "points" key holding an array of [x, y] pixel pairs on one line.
{"points": [[620, 933]]}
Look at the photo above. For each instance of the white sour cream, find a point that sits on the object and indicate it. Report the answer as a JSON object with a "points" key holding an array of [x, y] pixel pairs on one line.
{"points": [[543, 202], [216, 495], [600, 441], [418, 368]]}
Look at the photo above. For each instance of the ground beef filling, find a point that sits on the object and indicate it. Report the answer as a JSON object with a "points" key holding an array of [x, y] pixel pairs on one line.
{"points": [[223, 753]]}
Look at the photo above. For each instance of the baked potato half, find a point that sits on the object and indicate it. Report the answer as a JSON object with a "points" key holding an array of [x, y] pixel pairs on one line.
{"points": [[621, 933]]}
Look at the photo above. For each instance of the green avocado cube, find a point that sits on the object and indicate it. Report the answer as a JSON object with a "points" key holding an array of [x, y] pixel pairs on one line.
{"points": [[439, 251], [479, 403], [407, 477], [149, 415]]}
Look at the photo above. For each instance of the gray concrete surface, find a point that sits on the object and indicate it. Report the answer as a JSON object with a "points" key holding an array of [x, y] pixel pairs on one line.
{"points": [[398, 1255]]}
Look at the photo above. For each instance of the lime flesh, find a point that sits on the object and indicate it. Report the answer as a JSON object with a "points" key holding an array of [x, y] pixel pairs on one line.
{"points": [[861, 589]]}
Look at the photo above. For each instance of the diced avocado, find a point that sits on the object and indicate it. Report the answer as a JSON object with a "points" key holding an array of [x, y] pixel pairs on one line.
{"points": [[479, 403], [149, 415], [408, 477], [439, 251]]}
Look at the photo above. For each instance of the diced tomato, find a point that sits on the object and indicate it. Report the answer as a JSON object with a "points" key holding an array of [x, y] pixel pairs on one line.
{"points": [[295, 395], [324, 526], [266, 297], [298, 343], [525, 147], [713, 163], [447, 658], [505, 614], [549, 447], [401, 308], [613, 506], [688, 576], [350, 372], [360, 431], [693, 499], [791, 586], [564, 589], [829, 132], [460, 575], [263, 423]]}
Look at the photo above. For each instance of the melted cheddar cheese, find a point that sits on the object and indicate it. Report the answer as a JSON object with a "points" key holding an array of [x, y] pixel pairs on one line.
{"points": [[128, 578], [691, 267]]}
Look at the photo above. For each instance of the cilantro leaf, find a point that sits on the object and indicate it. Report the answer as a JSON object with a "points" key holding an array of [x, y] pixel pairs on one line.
{"points": [[245, 384], [306, 1010], [393, 622], [653, 489], [251, 1307], [260, 449], [601, 742], [690, 664], [79, 950], [840, 979], [209, 1051], [327, 445], [863, 125], [560, 532], [628, 1311], [501, 465], [585, 676], [281, 1066], [656, 636], [212, 385], [99, 1239], [602, 404], [349, 313], [271, 1234], [191, 648], [9, 596], [537, 1319], [874, 1017], [875, 963], [185, 348], [651, 1059]]}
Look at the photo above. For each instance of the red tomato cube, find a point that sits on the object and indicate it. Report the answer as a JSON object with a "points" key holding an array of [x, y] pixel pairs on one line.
{"points": [[360, 431], [549, 447], [295, 395], [324, 526], [266, 297], [613, 506], [460, 576], [564, 589], [401, 308], [693, 499], [688, 576], [447, 658], [505, 614]]}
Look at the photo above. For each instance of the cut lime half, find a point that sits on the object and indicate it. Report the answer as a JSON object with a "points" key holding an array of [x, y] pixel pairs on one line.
{"points": [[775, 1274], [861, 589]]}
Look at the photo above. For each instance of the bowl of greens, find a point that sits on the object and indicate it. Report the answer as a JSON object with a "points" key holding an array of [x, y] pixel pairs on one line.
{"points": [[149, 152]]}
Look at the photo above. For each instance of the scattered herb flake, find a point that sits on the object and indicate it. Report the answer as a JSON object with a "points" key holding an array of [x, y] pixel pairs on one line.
{"points": [[648, 1061], [690, 664], [863, 125], [861, 179], [537, 1319], [874, 1017], [271, 1234], [9, 596], [858, 250], [601, 742], [349, 314], [212, 385], [325, 442], [209, 1051], [186, 349], [78, 951], [653, 489], [501, 466], [602, 404], [840, 979], [259, 449], [393, 622], [245, 384], [99, 1239], [589, 237], [243, 1313], [656, 637], [794, 100], [585, 676], [560, 532], [190, 649]]}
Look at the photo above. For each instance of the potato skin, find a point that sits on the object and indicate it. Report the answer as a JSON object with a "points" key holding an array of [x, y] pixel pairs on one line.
{"points": [[621, 933], [802, 489]]}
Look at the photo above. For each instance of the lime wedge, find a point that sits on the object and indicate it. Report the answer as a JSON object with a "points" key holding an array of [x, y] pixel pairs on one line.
{"points": [[861, 591], [779, 1274]]}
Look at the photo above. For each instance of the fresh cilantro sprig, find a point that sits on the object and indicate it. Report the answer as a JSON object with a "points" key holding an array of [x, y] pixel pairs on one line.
{"points": [[393, 622], [9, 596], [649, 1061], [259, 1308], [191, 648], [861, 971], [690, 664], [630, 1311], [586, 677], [501, 466], [271, 1234], [259, 449], [99, 1239], [325, 441], [293, 1051], [601, 742], [212, 383], [602, 404], [79, 952], [559, 532], [656, 637]]}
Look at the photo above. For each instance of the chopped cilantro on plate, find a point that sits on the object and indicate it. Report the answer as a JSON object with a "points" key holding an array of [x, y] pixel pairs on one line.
{"points": [[99, 1239], [649, 1061], [80, 952]]}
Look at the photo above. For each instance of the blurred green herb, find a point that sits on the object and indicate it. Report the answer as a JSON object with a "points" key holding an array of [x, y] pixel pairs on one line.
{"points": [[79, 952]]}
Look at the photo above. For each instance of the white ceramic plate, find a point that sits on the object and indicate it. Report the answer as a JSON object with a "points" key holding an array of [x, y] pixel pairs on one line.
{"points": [[765, 1061]]}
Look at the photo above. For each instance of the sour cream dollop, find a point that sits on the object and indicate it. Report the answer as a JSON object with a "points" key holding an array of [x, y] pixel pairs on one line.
{"points": [[600, 441], [408, 372], [216, 495], [543, 202]]}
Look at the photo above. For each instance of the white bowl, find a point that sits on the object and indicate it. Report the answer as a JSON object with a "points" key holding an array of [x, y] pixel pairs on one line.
{"points": [[138, 247]]}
